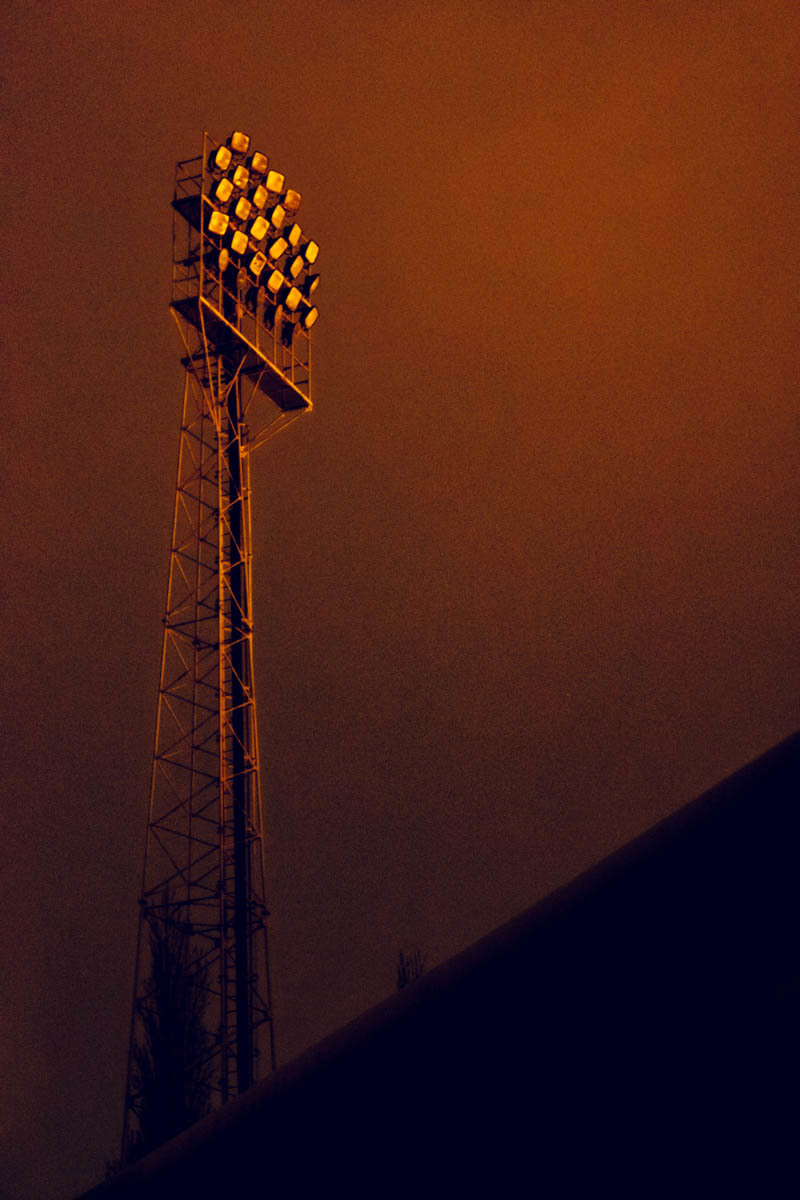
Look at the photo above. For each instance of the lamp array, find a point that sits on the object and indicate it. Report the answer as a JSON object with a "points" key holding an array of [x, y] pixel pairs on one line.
{"points": [[261, 249]]}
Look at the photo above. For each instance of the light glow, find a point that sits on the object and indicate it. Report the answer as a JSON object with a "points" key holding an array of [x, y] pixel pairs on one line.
{"points": [[292, 299], [277, 216], [238, 241], [218, 222], [291, 201], [221, 159], [259, 228], [243, 207], [224, 190], [259, 163], [239, 142], [310, 317], [241, 177], [278, 247], [274, 181]]}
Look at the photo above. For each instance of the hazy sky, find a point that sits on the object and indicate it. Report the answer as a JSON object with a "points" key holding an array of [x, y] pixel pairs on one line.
{"points": [[526, 579]]}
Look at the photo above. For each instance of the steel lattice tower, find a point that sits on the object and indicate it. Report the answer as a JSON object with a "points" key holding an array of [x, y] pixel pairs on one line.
{"points": [[201, 1027]]}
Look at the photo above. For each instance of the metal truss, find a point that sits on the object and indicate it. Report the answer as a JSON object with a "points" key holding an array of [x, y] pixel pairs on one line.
{"points": [[203, 891]]}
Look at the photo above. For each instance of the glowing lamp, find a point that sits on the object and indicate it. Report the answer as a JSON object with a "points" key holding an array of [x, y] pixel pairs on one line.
{"points": [[259, 228], [220, 159], [309, 316], [291, 201], [274, 181], [275, 282], [243, 207], [259, 197], [218, 222], [278, 247], [258, 163], [277, 215], [310, 285], [292, 299], [293, 234], [296, 265], [310, 251], [241, 178], [239, 142], [224, 190], [257, 263], [224, 260], [237, 241]]}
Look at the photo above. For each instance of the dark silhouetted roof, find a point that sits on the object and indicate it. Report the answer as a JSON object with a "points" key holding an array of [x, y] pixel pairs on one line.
{"points": [[635, 1033]]}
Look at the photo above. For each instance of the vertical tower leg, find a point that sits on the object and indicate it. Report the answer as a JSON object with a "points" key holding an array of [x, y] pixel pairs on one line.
{"points": [[202, 947]]}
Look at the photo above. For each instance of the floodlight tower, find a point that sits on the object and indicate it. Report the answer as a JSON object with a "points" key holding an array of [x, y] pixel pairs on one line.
{"points": [[201, 1026]]}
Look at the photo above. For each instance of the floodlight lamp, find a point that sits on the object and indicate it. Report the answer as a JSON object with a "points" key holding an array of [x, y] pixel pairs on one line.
{"points": [[278, 247], [243, 207], [274, 181], [277, 216], [310, 317], [296, 265], [223, 261], [258, 163], [310, 285], [292, 299], [218, 222], [259, 229], [237, 241], [257, 263], [293, 234], [241, 177], [275, 282], [219, 159], [224, 190], [291, 201], [239, 142], [310, 251], [259, 197]]}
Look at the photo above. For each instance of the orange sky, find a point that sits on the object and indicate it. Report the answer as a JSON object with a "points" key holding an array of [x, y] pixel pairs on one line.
{"points": [[526, 579]]}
